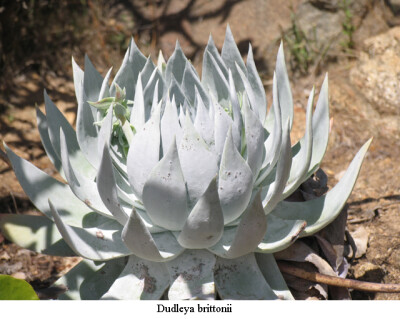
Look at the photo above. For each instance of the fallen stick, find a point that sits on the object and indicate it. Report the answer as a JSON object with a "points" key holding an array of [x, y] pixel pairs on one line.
{"points": [[337, 281]]}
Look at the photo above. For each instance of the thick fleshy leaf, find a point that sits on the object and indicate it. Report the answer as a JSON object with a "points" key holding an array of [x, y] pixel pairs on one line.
{"points": [[55, 121], [254, 132], [137, 118], [74, 278], [273, 143], [83, 188], [157, 247], [161, 64], [99, 243], [140, 279], [192, 276], [92, 81], [203, 123], [176, 65], [144, 153], [274, 193], [147, 71], [223, 122], [127, 74], [98, 283], [86, 131], [284, 90], [212, 49], [301, 161], [191, 84], [37, 233], [321, 211], [273, 276], [213, 79], [105, 87], [199, 164], [78, 74], [107, 189], [175, 91], [40, 187], [230, 55], [105, 132], [44, 136], [235, 181], [153, 92], [164, 193], [241, 279], [260, 100], [205, 224], [170, 127], [237, 116], [280, 234], [244, 238], [320, 124]]}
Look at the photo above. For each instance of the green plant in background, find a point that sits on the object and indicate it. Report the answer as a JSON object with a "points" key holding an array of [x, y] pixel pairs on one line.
{"points": [[299, 46], [176, 186], [16, 289], [347, 25]]}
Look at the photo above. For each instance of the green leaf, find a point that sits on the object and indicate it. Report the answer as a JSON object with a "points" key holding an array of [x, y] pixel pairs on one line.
{"points": [[103, 104], [16, 289]]}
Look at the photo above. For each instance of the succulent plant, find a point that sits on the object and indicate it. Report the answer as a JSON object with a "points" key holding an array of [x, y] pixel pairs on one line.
{"points": [[176, 186]]}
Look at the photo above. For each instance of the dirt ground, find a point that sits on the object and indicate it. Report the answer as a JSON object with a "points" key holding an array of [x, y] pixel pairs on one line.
{"points": [[374, 204]]}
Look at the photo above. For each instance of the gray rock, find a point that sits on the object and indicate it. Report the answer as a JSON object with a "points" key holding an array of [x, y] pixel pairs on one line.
{"points": [[377, 73]]}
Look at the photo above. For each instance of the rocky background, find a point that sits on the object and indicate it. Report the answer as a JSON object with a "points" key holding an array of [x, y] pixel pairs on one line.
{"points": [[356, 42]]}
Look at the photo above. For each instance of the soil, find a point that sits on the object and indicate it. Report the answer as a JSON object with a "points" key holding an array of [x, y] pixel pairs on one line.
{"points": [[374, 203]]}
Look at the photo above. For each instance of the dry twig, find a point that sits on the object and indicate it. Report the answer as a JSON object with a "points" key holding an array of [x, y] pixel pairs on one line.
{"points": [[337, 281]]}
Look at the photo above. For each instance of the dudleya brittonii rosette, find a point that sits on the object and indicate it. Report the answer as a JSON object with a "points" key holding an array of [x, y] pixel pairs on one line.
{"points": [[176, 185]]}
